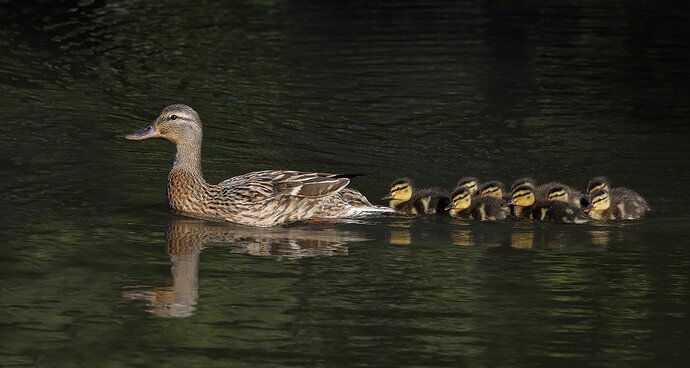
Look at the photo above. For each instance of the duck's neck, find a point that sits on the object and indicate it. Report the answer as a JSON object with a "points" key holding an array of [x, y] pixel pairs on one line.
{"points": [[188, 157], [188, 192]]}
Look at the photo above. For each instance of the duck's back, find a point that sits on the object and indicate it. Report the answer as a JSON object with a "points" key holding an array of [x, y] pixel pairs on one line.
{"points": [[271, 197]]}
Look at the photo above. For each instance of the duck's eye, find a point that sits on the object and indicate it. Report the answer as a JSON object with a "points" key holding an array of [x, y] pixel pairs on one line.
{"points": [[173, 117]]}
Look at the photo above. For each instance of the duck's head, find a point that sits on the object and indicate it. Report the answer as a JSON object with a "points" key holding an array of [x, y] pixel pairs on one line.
{"points": [[558, 194], [175, 123], [523, 195], [598, 182], [599, 200], [492, 189], [469, 182], [461, 199], [530, 182], [400, 191]]}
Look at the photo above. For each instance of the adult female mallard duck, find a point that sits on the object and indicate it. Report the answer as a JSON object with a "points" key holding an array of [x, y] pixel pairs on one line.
{"points": [[260, 198], [403, 198]]}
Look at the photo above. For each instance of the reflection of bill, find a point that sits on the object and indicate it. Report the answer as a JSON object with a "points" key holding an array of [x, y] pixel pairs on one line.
{"points": [[522, 240], [187, 237]]}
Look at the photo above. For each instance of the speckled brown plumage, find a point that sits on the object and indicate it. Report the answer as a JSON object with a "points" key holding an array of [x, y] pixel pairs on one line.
{"points": [[261, 198]]}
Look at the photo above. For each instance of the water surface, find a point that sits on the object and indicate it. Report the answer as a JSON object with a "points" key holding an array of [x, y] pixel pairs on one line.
{"points": [[95, 271]]}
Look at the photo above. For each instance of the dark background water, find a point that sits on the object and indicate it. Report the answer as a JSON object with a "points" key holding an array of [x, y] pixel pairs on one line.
{"points": [[94, 271]]}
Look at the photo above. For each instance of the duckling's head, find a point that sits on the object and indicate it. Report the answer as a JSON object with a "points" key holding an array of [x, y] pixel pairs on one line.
{"points": [[599, 200], [557, 194], [469, 182], [176, 123], [492, 189], [461, 198], [523, 195], [523, 181], [598, 182], [400, 191]]}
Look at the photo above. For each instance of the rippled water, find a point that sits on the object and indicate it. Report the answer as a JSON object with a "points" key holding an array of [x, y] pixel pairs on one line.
{"points": [[95, 271]]}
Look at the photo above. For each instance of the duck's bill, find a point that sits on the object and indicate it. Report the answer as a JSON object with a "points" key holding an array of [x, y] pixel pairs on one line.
{"points": [[148, 132], [449, 207], [387, 198], [508, 203]]}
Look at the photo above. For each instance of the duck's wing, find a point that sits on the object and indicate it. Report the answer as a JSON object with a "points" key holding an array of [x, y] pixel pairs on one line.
{"points": [[264, 185]]}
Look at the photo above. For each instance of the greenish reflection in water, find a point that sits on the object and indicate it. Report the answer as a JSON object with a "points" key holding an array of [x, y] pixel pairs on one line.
{"points": [[91, 260]]}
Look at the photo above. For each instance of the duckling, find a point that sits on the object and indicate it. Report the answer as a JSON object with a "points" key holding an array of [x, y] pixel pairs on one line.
{"points": [[404, 199], [521, 200], [524, 204], [493, 188], [469, 182], [483, 207], [617, 204], [603, 183]]}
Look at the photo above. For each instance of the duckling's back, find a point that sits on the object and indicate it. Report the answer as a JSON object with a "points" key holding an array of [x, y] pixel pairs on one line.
{"points": [[627, 204], [557, 211], [487, 208], [429, 201]]}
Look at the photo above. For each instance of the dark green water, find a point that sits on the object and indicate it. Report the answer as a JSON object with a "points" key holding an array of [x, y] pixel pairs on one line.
{"points": [[94, 271]]}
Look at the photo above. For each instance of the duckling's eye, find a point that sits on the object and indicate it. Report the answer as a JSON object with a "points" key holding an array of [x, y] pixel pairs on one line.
{"points": [[173, 117]]}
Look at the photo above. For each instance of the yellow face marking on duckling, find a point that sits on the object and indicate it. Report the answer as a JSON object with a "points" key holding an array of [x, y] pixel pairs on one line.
{"points": [[603, 186], [523, 198], [460, 202], [400, 193], [492, 191], [558, 195], [472, 186], [601, 202]]}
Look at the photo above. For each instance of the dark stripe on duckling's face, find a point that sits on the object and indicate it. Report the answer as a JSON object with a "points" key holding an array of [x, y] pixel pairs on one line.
{"points": [[398, 188], [460, 196], [599, 199]]}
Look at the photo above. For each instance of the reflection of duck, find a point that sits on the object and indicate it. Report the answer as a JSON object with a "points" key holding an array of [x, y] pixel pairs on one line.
{"points": [[261, 198], [187, 237]]}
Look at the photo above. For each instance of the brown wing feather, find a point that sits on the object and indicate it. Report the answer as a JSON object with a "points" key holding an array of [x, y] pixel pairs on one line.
{"points": [[263, 185]]}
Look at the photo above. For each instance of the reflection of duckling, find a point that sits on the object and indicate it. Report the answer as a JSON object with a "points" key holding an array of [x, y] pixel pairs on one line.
{"points": [[617, 204], [524, 204], [403, 198], [494, 189], [522, 240], [469, 182], [484, 208]]}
